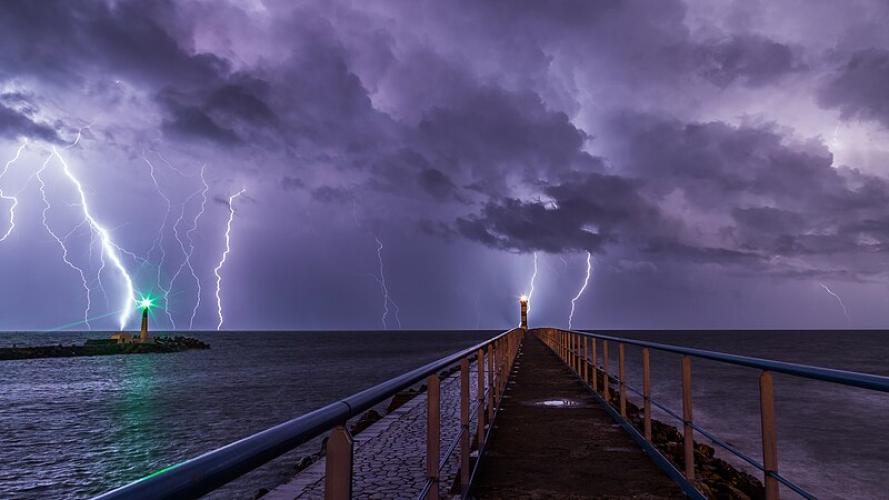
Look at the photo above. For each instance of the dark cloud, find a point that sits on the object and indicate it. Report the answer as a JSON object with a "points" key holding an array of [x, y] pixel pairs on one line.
{"points": [[330, 194], [292, 183], [15, 124], [860, 88], [750, 59]]}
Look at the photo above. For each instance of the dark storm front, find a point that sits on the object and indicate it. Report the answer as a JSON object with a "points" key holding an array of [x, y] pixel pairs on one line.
{"points": [[75, 427]]}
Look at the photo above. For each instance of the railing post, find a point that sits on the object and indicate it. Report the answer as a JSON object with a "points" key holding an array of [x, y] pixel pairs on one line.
{"points": [[338, 466], [586, 359], [595, 361], [480, 379], [605, 388], [646, 392], [622, 384], [572, 352], [464, 426], [769, 436], [433, 433], [490, 382], [688, 432]]}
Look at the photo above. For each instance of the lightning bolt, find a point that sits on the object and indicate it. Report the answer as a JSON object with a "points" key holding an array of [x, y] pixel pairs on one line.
{"points": [[46, 207], [531, 285], [13, 199], [159, 243], [839, 300], [109, 248], [188, 253], [586, 281], [387, 299], [218, 268]]}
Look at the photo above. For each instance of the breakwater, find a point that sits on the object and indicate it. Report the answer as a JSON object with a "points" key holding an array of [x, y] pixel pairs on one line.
{"points": [[103, 348]]}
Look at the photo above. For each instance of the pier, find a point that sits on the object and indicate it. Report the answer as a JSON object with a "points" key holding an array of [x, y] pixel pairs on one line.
{"points": [[529, 413]]}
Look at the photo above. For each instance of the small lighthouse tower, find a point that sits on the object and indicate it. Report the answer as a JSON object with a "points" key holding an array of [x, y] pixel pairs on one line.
{"points": [[143, 332], [523, 302]]}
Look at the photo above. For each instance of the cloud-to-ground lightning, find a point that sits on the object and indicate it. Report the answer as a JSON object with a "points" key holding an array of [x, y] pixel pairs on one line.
{"points": [[109, 248], [14, 201], [218, 269], [384, 288], [62, 241], [530, 293], [159, 241], [839, 300], [586, 281], [188, 253]]}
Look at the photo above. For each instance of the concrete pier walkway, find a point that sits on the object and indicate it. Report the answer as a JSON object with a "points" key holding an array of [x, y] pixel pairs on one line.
{"points": [[552, 440]]}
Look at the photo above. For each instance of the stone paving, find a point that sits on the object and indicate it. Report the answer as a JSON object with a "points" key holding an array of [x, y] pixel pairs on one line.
{"points": [[390, 456]]}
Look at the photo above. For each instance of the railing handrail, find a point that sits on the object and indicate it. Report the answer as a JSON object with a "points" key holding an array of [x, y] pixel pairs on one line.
{"points": [[843, 377], [205, 473]]}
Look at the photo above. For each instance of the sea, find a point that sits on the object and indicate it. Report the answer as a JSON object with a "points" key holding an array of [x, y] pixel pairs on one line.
{"points": [[77, 427]]}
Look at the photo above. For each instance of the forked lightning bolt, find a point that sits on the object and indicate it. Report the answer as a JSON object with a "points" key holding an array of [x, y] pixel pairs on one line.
{"points": [[109, 248], [188, 253], [218, 269], [839, 300], [586, 281], [159, 241], [387, 299], [530, 293], [14, 201], [62, 241]]}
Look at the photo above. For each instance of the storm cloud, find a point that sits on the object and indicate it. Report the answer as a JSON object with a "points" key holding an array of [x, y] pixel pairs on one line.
{"points": [[673, 140]]}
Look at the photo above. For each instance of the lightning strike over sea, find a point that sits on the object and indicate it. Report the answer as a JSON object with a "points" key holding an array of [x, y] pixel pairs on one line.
{"points": [[14, 201], [218, 269], [188, 237], [530, 293], [839, 301], [159, 242], [384, 289], [586, 281]]}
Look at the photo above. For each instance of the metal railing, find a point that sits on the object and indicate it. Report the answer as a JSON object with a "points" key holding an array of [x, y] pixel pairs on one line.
{"points": [[578, 351], [207, 472]]}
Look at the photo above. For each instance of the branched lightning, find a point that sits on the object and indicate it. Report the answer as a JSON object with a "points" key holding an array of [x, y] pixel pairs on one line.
{"points": [[839, 300], [14, 201], [158, 241], [218, 268], [109, 248], [586, 281], [62, 242], [188, 253], [387, 299], [530, 293]]}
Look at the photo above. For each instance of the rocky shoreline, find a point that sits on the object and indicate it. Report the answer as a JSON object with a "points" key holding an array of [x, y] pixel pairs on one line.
{"points": [[103, 348]]}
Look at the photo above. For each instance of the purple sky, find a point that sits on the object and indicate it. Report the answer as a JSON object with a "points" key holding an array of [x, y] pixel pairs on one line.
{"points": [[725, 162]]}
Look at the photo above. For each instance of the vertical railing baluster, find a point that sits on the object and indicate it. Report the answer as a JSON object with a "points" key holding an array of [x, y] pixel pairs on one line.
{"points": [[490, 382], [646, 392], [594, 360], [688, 432], [338, 466], [622, 385], [605, 386], [769, 435], [480, 396], [433, 433], [464, 426]]}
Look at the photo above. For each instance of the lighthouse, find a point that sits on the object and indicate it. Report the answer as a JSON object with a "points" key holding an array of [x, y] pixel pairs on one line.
{"points": [[523, 302], [143, 332]]}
